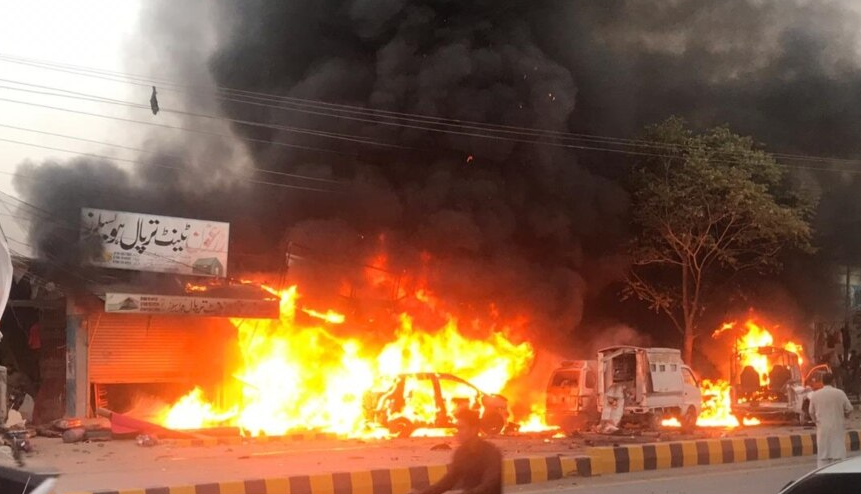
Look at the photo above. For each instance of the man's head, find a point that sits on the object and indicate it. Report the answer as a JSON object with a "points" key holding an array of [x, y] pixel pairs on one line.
{"points": [[828, 379], [468, 424]]}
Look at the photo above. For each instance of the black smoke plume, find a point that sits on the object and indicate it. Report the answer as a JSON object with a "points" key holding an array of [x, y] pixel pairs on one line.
{"points": [[531, 227]]}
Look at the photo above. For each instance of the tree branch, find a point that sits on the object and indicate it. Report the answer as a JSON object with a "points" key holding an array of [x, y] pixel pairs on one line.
{"points": [[648, 292]]}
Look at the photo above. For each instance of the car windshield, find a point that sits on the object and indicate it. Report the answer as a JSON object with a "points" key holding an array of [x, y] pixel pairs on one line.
{"points": [[565, 378]]}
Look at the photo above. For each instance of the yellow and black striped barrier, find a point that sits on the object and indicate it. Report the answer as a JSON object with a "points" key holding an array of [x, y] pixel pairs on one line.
{"points": [[657, 456], [387, 481], [517, 471]]}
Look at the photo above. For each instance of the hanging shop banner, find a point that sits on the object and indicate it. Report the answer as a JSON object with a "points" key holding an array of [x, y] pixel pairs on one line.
{"points": [[136, 303], [163, 244]]}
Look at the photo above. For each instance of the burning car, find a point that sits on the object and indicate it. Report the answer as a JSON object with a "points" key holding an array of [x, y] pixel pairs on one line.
{"points": [[428, 400], [767, 383]]}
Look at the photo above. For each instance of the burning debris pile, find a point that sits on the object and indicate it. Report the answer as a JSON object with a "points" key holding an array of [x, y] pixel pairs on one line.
{"points": [[315, 374]]}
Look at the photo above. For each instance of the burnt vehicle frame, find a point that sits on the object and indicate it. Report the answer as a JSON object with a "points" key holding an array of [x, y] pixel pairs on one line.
{"points": [[385, 408], [786, 395]]}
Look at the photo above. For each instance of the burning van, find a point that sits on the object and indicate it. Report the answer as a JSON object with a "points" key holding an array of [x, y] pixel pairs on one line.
{"points": [[428, 400], [767, 383], [572, 393], [646, 386]]}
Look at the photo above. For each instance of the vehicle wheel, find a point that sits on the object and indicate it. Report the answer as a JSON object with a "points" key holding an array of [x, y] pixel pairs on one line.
{"points": [[805, 412], [401, 427], [492, 423], [689, 420], [654, 421]]}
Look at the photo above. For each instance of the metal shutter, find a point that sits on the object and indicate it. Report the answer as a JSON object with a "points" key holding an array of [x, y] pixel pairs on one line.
{"points": [[131, 348]]}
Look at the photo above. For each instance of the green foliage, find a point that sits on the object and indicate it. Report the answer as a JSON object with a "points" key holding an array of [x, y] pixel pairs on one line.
{"points": [[707, 205]]}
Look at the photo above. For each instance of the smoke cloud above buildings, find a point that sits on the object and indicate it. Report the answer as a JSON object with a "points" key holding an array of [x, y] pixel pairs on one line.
{"points": [[531, 227]]}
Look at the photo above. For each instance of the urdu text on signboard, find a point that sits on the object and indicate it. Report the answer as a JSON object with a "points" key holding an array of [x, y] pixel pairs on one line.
{"points": [[136, 303], [163, 244]]}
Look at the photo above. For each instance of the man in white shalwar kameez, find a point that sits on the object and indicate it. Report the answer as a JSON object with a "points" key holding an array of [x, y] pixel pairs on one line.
{"points": [[829, 408]]}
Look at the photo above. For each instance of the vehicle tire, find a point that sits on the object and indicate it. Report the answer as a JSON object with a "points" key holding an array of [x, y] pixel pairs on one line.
{"points": [[804, 416], [401, 427], [492, 423], [654, 421], [689, 420]]}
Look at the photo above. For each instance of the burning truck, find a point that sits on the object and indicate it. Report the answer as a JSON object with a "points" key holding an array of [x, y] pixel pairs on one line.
{"points": [[780, 392], [766, 380], [646, 385]]}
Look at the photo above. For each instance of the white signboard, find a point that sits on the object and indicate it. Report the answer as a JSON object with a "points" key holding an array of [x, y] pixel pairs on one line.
{"points": [[136, 303], [145, 242]]}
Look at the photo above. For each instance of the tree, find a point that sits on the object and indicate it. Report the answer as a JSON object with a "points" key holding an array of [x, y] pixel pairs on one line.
{"points": [[706, 206]]}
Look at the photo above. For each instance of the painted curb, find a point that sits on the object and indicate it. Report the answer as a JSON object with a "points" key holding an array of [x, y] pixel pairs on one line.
{"points": [[516, 471], [658, 456], [519, 471]]}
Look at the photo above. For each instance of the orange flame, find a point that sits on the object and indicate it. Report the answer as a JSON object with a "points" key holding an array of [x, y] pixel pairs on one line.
{"points": [[191, 411], [717, 408], [535, 421], [299, 377], [717, 398], [760, 337], [191, 288], [329, 316]]}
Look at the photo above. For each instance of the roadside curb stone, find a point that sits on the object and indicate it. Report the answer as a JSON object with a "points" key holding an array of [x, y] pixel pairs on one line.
{"points": [[519, 471]]}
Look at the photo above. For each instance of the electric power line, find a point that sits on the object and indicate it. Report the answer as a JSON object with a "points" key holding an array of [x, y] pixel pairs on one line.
{"points": [[159, 153], [607, 141], [139, 80], [348, 137], [250, 123], [161, 165]]}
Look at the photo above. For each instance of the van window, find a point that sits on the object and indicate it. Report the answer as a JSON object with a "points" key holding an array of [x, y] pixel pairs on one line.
{"points": [[590, 380], [689, 378], [565, 378]]}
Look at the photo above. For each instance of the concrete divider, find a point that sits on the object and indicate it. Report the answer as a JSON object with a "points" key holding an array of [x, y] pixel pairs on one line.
{"points": [[518, 471], [657, 456], [385, 481]]}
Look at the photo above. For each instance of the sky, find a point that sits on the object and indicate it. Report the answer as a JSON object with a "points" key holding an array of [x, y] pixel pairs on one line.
{"points": [[87, 33]]}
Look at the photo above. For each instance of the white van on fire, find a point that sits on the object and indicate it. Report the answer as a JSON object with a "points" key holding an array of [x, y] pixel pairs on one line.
{"points": [[572, 392], [646, 385]]}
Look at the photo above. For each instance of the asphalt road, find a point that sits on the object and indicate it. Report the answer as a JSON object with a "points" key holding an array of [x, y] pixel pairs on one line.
{"points": [[762, 477], [123, 464]]}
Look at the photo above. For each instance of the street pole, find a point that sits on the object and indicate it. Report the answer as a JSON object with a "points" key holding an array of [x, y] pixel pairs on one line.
{"points": [[848, 296], [847, 316]]}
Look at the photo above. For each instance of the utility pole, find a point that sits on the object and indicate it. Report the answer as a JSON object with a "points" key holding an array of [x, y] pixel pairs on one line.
{"points": [[847, 316]]}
